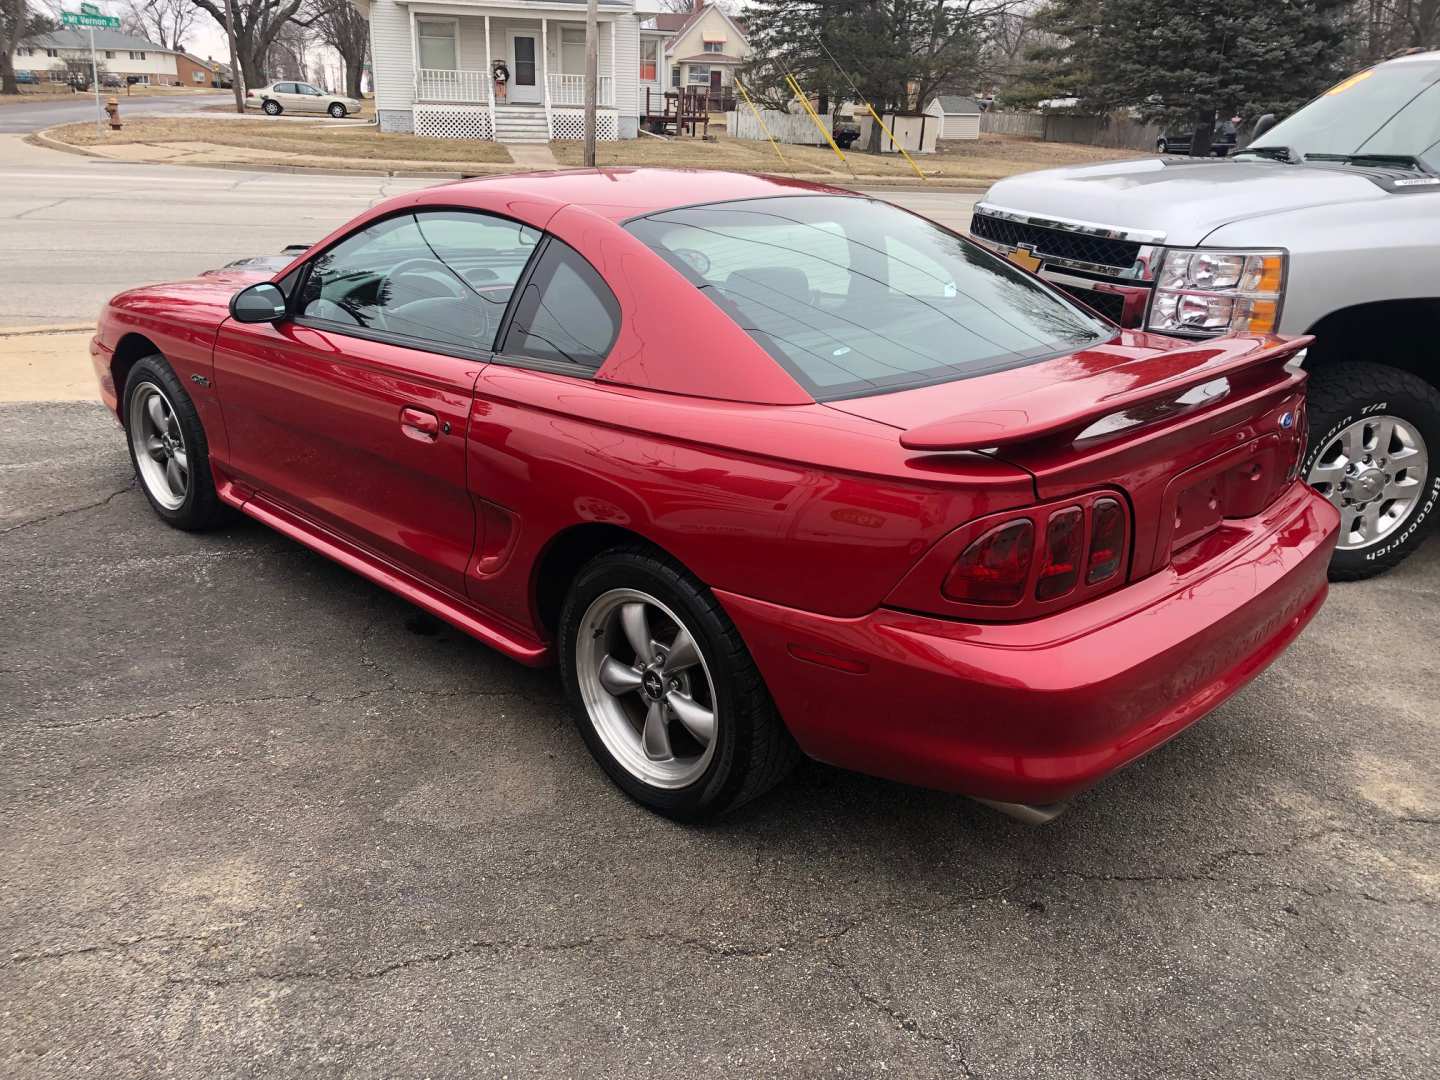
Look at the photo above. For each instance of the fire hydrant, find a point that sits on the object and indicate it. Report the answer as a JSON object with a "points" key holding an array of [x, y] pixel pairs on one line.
{"points": [[112, 109]]}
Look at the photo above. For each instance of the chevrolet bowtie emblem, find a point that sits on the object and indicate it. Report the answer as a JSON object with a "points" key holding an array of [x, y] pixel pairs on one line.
{"points": [[1024, 256]]}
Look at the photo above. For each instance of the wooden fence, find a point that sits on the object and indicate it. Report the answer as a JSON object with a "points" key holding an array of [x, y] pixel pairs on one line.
{"points": [[794, 128], [1116, 130]]}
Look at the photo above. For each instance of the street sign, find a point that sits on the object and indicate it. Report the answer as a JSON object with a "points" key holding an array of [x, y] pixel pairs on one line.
{"points": [[94, 22], [90, 9]]}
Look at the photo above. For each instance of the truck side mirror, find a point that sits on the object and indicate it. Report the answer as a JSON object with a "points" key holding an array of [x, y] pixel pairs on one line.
{"points": [[1264, 124]]}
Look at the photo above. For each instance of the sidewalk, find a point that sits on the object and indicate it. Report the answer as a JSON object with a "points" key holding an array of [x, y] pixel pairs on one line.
{"points": [[47, 363]]}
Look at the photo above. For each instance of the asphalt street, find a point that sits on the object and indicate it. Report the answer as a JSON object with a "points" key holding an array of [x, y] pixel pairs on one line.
{"points": [[84, 228], [74, 108], [260, 818]]}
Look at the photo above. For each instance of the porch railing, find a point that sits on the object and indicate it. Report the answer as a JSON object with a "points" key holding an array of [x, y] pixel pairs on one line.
{"points": [[440, 84], [570, 90]]}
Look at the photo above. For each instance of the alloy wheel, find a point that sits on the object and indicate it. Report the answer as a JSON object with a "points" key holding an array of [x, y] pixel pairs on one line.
{"points": [[647, 688], [159, 445], [1374, 471]]}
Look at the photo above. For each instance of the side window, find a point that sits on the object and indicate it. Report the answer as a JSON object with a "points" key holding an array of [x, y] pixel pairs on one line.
{"points": [[284, 88], [566, 313], [441, 277]]}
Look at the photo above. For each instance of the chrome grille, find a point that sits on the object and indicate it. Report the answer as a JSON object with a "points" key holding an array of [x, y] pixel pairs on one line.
{"points": [[1107, 304], [1056, 243]]}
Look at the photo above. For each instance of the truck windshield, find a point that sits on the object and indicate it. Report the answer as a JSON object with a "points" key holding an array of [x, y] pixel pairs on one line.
{"points": [[1391, 111], [854, 296]]}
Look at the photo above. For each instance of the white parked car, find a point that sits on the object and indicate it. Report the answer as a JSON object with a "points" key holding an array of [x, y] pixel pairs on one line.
{"points": [[299, 97]]}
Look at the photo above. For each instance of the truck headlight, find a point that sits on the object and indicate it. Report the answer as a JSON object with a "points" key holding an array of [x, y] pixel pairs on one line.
{"points": [[1202, 291]]}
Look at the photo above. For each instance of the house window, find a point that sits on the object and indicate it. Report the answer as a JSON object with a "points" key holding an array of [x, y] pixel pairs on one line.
{"points": [[109, 54], [24, 51], [436, 38], [572, 51], [137, 56], [715, 46], [198, 76], [52, 52], [699, 75], [675, 75], [648, 51]]}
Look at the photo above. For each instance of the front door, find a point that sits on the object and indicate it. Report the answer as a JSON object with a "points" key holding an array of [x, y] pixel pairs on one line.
{"points": [[354, 412], [714, 82], [524, 66]]}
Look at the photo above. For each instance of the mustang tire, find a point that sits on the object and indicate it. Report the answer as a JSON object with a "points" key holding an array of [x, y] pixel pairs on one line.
{"points": [[168, 447], [1375, 453], [666, 695]]}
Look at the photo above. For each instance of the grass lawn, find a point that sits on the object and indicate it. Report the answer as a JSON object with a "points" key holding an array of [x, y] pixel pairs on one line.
{"points": [[359, 144], [988, 158]]}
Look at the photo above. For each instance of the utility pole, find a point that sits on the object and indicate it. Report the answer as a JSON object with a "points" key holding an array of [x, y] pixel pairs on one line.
{"points": [[236, 83], [592, 76]]}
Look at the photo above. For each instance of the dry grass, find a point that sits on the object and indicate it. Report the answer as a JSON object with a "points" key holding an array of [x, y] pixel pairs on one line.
{"points": [[50, 91], [32, 94], [357, 144], [321, 142], [989, 158]]}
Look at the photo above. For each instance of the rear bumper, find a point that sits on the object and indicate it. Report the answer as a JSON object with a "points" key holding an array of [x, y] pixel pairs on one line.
{"points": [[1036, 712]]}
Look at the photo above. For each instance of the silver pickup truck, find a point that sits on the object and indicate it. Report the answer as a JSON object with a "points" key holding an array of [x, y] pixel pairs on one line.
{"points": [[1327, 223]]}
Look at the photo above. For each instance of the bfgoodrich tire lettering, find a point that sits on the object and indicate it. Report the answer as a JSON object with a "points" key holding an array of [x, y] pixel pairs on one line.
{"points": [[1348, 404], [741, 752]]}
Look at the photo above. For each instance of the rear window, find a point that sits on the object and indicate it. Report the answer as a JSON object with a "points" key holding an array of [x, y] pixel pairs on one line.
{"points": [[854, 296]]}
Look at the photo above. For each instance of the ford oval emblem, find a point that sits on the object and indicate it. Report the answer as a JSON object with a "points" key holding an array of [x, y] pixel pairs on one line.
{"points": [[1287, 420]]}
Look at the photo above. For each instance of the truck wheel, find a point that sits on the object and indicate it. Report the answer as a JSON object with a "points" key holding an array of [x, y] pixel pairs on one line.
{"points": [[1374, 434], [1161, 146]]}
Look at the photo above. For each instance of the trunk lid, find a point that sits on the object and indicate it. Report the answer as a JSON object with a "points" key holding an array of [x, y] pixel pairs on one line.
{"points": [[1192, 433]]}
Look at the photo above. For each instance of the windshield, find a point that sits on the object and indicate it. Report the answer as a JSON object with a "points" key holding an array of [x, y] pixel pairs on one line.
{"points": [[853, 296], [1390, 110]]}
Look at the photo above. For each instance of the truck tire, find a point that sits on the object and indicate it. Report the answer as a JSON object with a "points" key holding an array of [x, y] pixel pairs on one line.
{"points": [[1374, 441]]}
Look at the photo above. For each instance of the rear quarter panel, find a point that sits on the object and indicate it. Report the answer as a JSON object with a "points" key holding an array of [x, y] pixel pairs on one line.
{"points": [[799, 506]]}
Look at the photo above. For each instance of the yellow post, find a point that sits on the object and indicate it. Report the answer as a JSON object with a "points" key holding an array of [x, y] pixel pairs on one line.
{"points": [[760, 120], [805, 104], [893, 141]]}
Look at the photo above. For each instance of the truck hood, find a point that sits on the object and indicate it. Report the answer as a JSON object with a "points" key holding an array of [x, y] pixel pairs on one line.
{"points": [[1185, 201]]}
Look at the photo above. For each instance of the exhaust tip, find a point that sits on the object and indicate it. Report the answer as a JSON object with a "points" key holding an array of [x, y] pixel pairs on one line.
{"points": [[1024, 812]]}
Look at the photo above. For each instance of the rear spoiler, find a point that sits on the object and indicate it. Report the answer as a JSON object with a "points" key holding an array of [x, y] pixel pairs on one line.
{"points": [[1068, 408]]}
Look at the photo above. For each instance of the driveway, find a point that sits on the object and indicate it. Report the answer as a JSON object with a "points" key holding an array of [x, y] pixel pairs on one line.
{"points": [[71, 108], [261, 818]]}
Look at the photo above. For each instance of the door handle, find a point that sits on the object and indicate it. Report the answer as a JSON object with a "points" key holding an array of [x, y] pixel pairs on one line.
{"points": [[419, 424]]}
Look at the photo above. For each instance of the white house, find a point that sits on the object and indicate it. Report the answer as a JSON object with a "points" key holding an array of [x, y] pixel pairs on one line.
{"points": [[432, 62], [116, 53]]}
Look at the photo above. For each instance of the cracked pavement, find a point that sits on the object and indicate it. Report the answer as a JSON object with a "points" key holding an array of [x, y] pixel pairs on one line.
{"points": [[261, 818]]}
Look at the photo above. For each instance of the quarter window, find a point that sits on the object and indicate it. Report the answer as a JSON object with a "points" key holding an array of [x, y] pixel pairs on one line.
{"points": [[566, 314], [441, 277]]}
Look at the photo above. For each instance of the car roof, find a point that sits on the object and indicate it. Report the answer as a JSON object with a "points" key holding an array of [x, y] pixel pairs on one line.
{"points": [[621, 193]]}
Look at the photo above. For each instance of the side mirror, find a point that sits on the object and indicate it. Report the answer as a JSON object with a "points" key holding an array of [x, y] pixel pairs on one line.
{"points": [[1264, 124], [263, 302]]}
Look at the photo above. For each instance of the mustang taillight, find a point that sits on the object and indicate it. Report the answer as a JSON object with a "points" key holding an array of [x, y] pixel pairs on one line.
{"points": [[994, 569], [1107, 540], [1060, 567], [1022, 564]]}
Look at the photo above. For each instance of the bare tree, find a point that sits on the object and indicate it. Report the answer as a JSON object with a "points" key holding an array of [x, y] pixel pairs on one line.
{"points": [[344, 29], [165, 22], [257, 24]]}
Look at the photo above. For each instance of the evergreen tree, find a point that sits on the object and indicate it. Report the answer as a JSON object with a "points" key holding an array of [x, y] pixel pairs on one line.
{"points": [[1187, 63]]}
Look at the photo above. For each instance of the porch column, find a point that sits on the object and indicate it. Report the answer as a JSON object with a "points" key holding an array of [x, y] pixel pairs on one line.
{"points": [[614, 72], [414, 56], [485, 70], [545, 66]]}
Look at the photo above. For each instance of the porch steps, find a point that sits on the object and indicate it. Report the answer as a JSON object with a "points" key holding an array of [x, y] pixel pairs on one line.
{"points": [[521, 124]]}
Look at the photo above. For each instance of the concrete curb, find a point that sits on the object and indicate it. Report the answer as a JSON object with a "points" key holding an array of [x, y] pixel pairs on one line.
{"points": [[43, 138], [55, 328]]}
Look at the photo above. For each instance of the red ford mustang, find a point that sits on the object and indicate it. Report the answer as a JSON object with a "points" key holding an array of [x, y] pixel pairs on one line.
{"points": [[765, 467]]}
